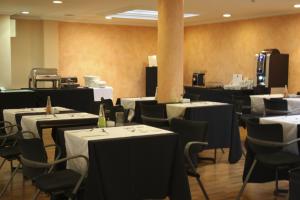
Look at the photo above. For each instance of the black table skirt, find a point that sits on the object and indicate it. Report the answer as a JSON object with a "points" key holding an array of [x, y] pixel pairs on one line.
{"points": [[137, 168], [223, 131], [133, 168]]}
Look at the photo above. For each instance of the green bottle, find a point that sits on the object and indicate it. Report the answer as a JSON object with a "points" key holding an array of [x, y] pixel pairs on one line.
{"points": [[101, 120]]}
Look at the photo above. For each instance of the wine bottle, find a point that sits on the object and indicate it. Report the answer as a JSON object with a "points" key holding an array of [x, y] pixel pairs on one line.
{"points": [[48, 105], [101, 119]]}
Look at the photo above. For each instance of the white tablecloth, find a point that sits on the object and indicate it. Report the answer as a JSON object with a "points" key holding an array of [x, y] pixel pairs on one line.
{"points": [[106, 93], [258, 106], [257, 102], [289, 125], [178, 109], [293, 105], [10, 114], [28, 123], [129, 103], [76, 141]]}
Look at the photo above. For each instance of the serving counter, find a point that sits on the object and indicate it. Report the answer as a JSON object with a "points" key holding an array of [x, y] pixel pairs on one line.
{"points": [[220, 94]]}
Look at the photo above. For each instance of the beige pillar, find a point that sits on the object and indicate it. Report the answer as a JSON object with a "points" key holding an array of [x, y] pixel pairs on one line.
{"points": [[170, 50], [5, 52]]}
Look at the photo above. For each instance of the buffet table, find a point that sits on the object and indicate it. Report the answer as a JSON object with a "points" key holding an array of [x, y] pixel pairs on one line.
{"points": [[130, 162]]}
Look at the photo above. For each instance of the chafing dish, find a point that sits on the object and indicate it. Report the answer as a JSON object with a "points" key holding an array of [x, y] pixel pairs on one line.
{"points": [[45, 75]]}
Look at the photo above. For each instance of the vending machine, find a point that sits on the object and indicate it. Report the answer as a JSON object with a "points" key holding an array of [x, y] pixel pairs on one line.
{"points": [[272, 69]]}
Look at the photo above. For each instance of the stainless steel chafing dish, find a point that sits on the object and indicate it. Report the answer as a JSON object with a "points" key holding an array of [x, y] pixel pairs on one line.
{"points": [[45, 75]]}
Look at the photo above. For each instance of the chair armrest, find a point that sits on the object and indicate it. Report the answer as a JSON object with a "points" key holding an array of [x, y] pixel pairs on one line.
{"points": [[9, 127], [272, 144], [278, 112], [187, 149], [36, 164], [8, 135]]}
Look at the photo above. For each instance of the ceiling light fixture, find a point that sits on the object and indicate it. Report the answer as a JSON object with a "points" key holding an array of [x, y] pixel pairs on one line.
{"points": [[25, 12], [297, 6], [57, 2], [142, 14], [226, 15]]}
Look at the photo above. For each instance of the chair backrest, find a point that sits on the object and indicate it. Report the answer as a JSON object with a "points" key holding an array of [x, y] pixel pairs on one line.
{"points": [[137, 110], [190, 131], [156, 111], [275, 106], [263, 132], [107, 105], [192, 97], [33, 149], [112, 114], [154, 115], [240, 101]]}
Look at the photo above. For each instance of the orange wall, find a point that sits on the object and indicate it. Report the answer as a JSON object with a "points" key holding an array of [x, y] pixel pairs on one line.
{"points": [[118, 54], [226, 48]]}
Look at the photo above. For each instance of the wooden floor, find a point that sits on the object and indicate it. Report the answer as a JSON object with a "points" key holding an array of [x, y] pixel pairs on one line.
{"points": [[222, 181]]}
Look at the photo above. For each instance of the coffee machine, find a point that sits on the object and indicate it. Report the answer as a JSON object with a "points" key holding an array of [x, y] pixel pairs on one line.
{"points": [[198, 79], [272, 68]]}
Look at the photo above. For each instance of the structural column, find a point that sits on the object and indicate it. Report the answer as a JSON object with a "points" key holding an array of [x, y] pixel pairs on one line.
{"points": [[170, 50], [5, 52]]}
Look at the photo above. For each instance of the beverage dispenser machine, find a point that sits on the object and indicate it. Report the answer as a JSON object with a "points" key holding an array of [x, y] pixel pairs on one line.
{"points": [[272, 68]]}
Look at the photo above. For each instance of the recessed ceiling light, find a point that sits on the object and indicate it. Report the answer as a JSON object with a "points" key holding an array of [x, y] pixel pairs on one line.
{"points": [[57, 2], [25, 12], [143, 14], [226, 15], [108, 17], [297, 6]]}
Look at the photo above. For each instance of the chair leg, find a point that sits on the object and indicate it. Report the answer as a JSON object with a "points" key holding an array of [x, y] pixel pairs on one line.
{"points": [[35, 196], [10, 180], [215, 156], [202, 188], [2, 163], [222, 150], [277, 190], [246, 180]]}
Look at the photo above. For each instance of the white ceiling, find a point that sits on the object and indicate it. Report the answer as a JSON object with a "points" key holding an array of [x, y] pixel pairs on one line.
{"points": [[94, 11]]}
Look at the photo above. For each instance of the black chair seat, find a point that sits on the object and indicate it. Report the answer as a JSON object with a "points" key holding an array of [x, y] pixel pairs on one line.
{"points": [[57, 181], [280, 158], [9, 153]]}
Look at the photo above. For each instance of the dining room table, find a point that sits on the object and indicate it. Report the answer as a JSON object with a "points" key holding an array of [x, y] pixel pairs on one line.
{"points": [[258, 107], [222, 132], [133, 105], [129, 162], [291, 130], [36, 123]]}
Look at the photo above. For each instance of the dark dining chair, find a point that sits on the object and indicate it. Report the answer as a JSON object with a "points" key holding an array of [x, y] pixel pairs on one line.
{"points": [[192, 97], [9, 150], [266, 141], [193, 135], [37, 168], [242, 108], [294, 185], [276, 107], [155, 115]]}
